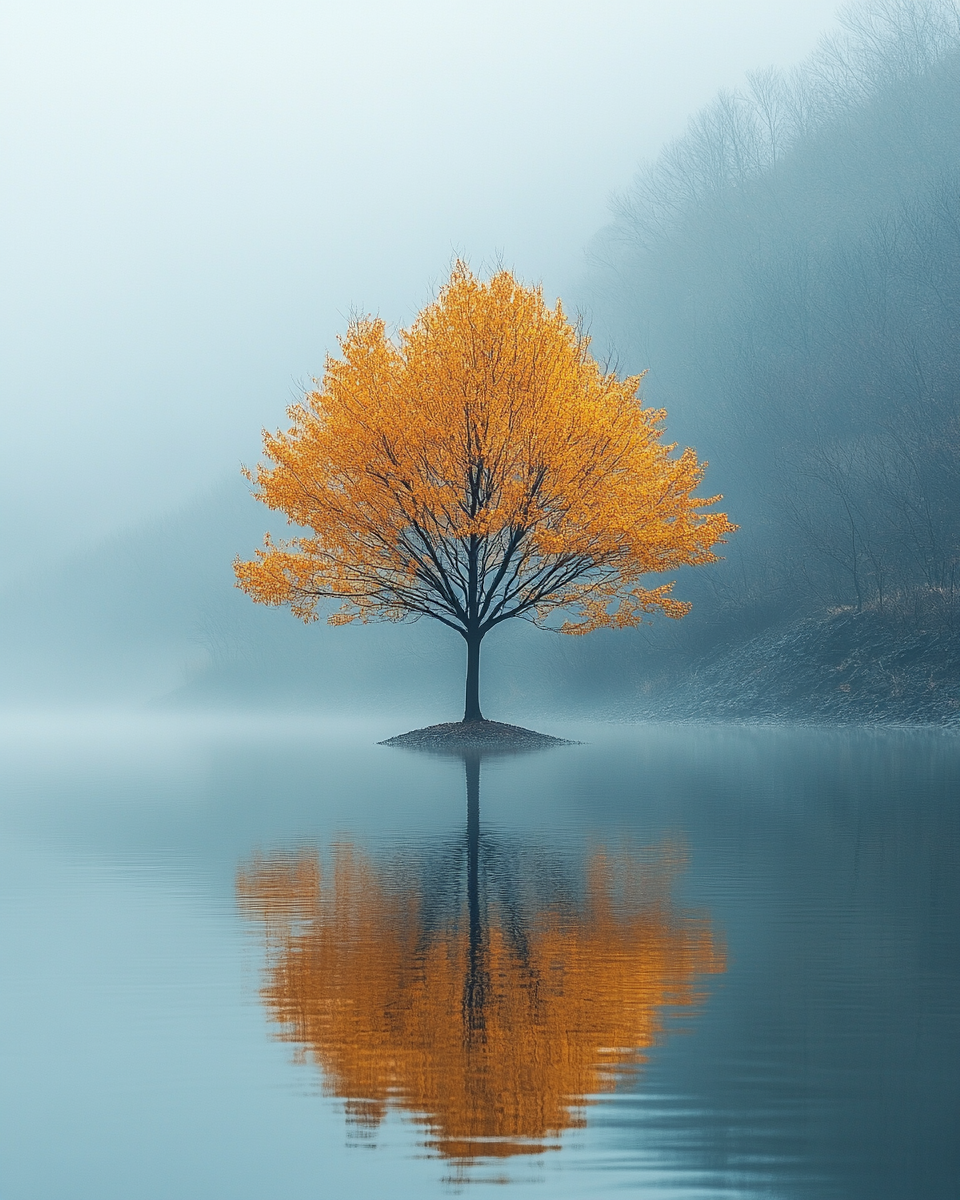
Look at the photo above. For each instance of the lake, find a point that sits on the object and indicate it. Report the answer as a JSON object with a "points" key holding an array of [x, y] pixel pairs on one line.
{"points": [[264, 957]]}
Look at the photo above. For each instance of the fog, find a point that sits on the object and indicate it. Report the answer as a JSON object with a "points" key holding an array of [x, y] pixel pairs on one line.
{"points": [[760, 206], [197, 195], [699, 939]]}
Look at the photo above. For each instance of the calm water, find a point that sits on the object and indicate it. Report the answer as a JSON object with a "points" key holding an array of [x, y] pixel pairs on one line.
{"points": [[268, 959]]}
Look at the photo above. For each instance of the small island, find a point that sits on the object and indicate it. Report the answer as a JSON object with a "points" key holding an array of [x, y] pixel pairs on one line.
{"points": [[481, 735]]}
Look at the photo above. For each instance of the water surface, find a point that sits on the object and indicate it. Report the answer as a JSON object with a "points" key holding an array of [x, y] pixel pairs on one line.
{"points": [[247, 958]]}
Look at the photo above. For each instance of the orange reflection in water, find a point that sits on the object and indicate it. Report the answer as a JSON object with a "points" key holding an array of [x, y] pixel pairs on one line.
{"points": [[493, 1026]]}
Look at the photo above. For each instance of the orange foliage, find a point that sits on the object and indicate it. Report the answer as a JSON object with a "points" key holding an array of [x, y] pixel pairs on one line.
{"points": [[494, 1042], [480, 467]]}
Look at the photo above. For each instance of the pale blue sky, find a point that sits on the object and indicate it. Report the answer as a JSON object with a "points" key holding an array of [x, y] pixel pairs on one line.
{"points": [[195, 196]]}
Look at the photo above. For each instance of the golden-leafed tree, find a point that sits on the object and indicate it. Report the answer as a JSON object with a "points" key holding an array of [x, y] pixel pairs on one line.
{"points": [[480, 467], [494, 1027]]}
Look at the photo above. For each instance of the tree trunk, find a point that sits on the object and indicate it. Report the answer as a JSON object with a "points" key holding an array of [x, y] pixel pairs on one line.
{"points": [[471, 711], [475, 984]]}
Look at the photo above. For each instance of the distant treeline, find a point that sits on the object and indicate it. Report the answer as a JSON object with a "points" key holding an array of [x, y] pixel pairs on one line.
{"points": [[789, 270]]}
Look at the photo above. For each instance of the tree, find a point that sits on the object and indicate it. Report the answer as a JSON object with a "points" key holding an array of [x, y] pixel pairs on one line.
{"points": [[479, 468]]}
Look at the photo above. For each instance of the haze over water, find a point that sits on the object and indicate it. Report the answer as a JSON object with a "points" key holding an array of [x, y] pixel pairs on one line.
{"points": [[255, 957]]}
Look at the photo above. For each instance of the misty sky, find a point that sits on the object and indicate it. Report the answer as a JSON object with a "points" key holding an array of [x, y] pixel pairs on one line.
{"points": [[196, 195]]}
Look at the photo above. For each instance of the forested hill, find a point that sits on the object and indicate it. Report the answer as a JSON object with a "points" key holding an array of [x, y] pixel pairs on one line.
{"points": [[789, 272]]}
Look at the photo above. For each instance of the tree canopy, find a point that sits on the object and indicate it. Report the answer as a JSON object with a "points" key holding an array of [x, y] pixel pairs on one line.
{"points": [[480, 467]]}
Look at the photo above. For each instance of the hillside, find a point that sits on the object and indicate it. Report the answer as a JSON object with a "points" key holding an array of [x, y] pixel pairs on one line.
{"points": [[790, 273], [842, 667]]}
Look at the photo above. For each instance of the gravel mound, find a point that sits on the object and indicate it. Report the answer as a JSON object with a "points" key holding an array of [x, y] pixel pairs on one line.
{"points": [[489, 736]]}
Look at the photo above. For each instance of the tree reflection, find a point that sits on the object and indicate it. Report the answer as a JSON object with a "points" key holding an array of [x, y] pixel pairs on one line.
{"points": [[495, 1020]]}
